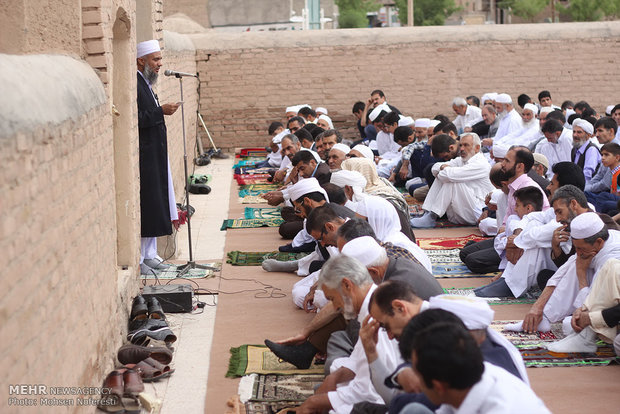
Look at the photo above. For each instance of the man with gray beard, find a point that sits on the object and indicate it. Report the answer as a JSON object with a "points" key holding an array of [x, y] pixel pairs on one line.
{"points": [[157, 202]]}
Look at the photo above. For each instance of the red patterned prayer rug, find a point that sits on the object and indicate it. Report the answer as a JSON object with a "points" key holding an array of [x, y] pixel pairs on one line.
{"points": [[445, 243]]}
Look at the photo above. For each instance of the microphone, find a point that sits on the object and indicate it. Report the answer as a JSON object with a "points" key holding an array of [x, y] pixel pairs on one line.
{"points": [[169, 72]]}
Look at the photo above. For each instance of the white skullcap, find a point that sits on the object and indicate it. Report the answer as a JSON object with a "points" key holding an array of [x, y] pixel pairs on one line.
{"points": [[315, 154], [278, 138], [503, 98], [489, 96], [434, 123], [346, 177], [541, 159], [500, 151], [585, 125], [531, 107], [146, 48], [342, 147], [294, 108], [306, 186], [547, 109], [609, 109], [375, 112], [365, 249], [585, 225], [365, 151], [475, 312], [406, 121], [328, 120], [422, 123], [321, 110]]}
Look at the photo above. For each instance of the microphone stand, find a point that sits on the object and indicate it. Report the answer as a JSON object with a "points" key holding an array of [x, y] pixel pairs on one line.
{"points": [[191, 264]]}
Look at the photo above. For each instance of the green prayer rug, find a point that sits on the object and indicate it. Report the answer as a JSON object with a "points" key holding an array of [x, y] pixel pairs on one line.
{"points": [[238, 258], [262, 213], [469, 291], [256, 187], [251, 223], [258, 359]]}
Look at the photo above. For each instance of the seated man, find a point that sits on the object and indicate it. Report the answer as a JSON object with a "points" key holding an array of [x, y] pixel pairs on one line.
{"points": [[336, 155], [460, 188], [558, 143], [466, 115], [584, 153]]}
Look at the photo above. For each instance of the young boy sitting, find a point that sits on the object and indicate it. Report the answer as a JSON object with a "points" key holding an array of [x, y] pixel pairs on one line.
{"points": [[517, 278], [607, 202]]}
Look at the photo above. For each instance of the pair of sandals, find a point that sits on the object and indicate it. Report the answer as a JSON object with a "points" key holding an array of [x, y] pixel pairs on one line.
{"points": [[151, 362], [147, 322], [122, 388]]}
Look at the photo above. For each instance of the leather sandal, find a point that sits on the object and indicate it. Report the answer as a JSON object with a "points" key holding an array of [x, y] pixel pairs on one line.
{"points": [[151, 370], [155, 310], [132, 354], [139, 309], [111, 401]]}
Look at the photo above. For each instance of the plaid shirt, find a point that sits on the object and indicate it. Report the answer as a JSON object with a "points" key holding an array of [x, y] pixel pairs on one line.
{"points": [[408, 150], [397, 251]]}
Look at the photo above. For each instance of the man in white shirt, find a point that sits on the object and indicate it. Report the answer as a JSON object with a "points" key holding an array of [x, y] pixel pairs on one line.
{"points": [[466, 115], [558, 145], [510, 120], [460, 187]]}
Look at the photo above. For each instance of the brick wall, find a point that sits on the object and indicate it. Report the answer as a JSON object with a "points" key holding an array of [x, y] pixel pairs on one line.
{"points": [[251, 77]]}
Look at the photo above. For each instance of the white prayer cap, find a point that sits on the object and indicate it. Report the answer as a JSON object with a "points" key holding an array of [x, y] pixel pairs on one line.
{"points": [[406, 121], [531, 107], [586, 225], [475, 312], [490, 96], [503, 98], [147, 47], [321, 110], [305, 186], [342, 147], [422, 123], [547, 109], [294, 108], [346, 177], [585, 125], [500, 151], [365, 249], [365, 151], [609, 109], [541, 159], [278, 138], [375, 112], [328, 120], [315, 154]]}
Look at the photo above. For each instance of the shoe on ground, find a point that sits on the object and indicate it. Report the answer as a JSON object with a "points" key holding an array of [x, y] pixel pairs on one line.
{"points": [[299, 355], [427, 221]]}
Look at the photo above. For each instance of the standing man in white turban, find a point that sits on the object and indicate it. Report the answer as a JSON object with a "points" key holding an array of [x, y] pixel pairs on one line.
{"points": [[585, 154], [157, 202]]}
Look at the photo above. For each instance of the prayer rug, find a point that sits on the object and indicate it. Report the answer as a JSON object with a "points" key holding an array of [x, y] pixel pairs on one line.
{"points": [[255, 193], [262, 213], [270, 394], [252, 170], [442, 243], [469, 291], [447, 264], [237, 258], [415, 210], [258, 359], [251, 223], [253, 152], [252, 199], [173, 272], [535, 355], [246, 163], [258, 187], [253, 179]]}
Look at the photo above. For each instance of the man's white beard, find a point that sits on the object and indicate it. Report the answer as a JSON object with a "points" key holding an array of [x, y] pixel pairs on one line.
{"points": [[150, 74], [502, 115], [529, 124], [349, 310]]}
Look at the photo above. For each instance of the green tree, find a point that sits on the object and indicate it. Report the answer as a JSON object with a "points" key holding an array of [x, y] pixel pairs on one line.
{"points": [[353, 12], [591, 10], [427, 12], [526, 9]]}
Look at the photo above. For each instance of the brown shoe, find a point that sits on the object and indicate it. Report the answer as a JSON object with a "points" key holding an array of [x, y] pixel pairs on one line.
{"points": [[132, 354], [133, 382], [111, 399]]}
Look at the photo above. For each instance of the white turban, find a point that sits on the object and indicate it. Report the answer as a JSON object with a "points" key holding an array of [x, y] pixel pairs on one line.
{"points": [[422, 123], [148, 47], [342, 147], [353, 179], [434, 123], [546, 109], [500, 151], [490, 96], [531, 107], [503, 98], [316, 156], [306, 186], [609, 109], [475, 312], [585, 125], [365, 249], [321, 110], [278, 138], [365, 151], [375, 112], [406, 121], [328, 120], [294, 108], [586, 225]]}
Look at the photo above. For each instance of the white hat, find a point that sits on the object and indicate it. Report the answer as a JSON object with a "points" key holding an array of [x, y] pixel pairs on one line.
{"points": [[531, 107], [586, 225], [342, 147], [503, 98], [306, 186], [321, 110], [147, 47], [365, 151], [406, 121], [475, 312], [278, 138], [422, 123], [609, 109], [375, 112], [547, 109], [500, 151], [315, 154], [365, 249], [327, 119], [585, 125], [541, 159], [294, 108], [346, 177], [489, 96], [434, 123]]}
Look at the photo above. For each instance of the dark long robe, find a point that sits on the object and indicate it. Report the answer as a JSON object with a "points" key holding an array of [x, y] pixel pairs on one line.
{"points": [[154, 206]]}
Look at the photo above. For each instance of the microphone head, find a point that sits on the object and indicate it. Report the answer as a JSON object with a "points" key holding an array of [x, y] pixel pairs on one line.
{"points": [[168, 72]]}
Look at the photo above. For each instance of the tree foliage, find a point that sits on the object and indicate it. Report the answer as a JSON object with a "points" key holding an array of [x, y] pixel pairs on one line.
{"points": [[353, 12], [591, 10], [427, 12], [526, 9]]}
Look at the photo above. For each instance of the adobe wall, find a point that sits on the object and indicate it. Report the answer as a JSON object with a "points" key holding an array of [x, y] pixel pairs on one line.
{"points": [[251, 77]]}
